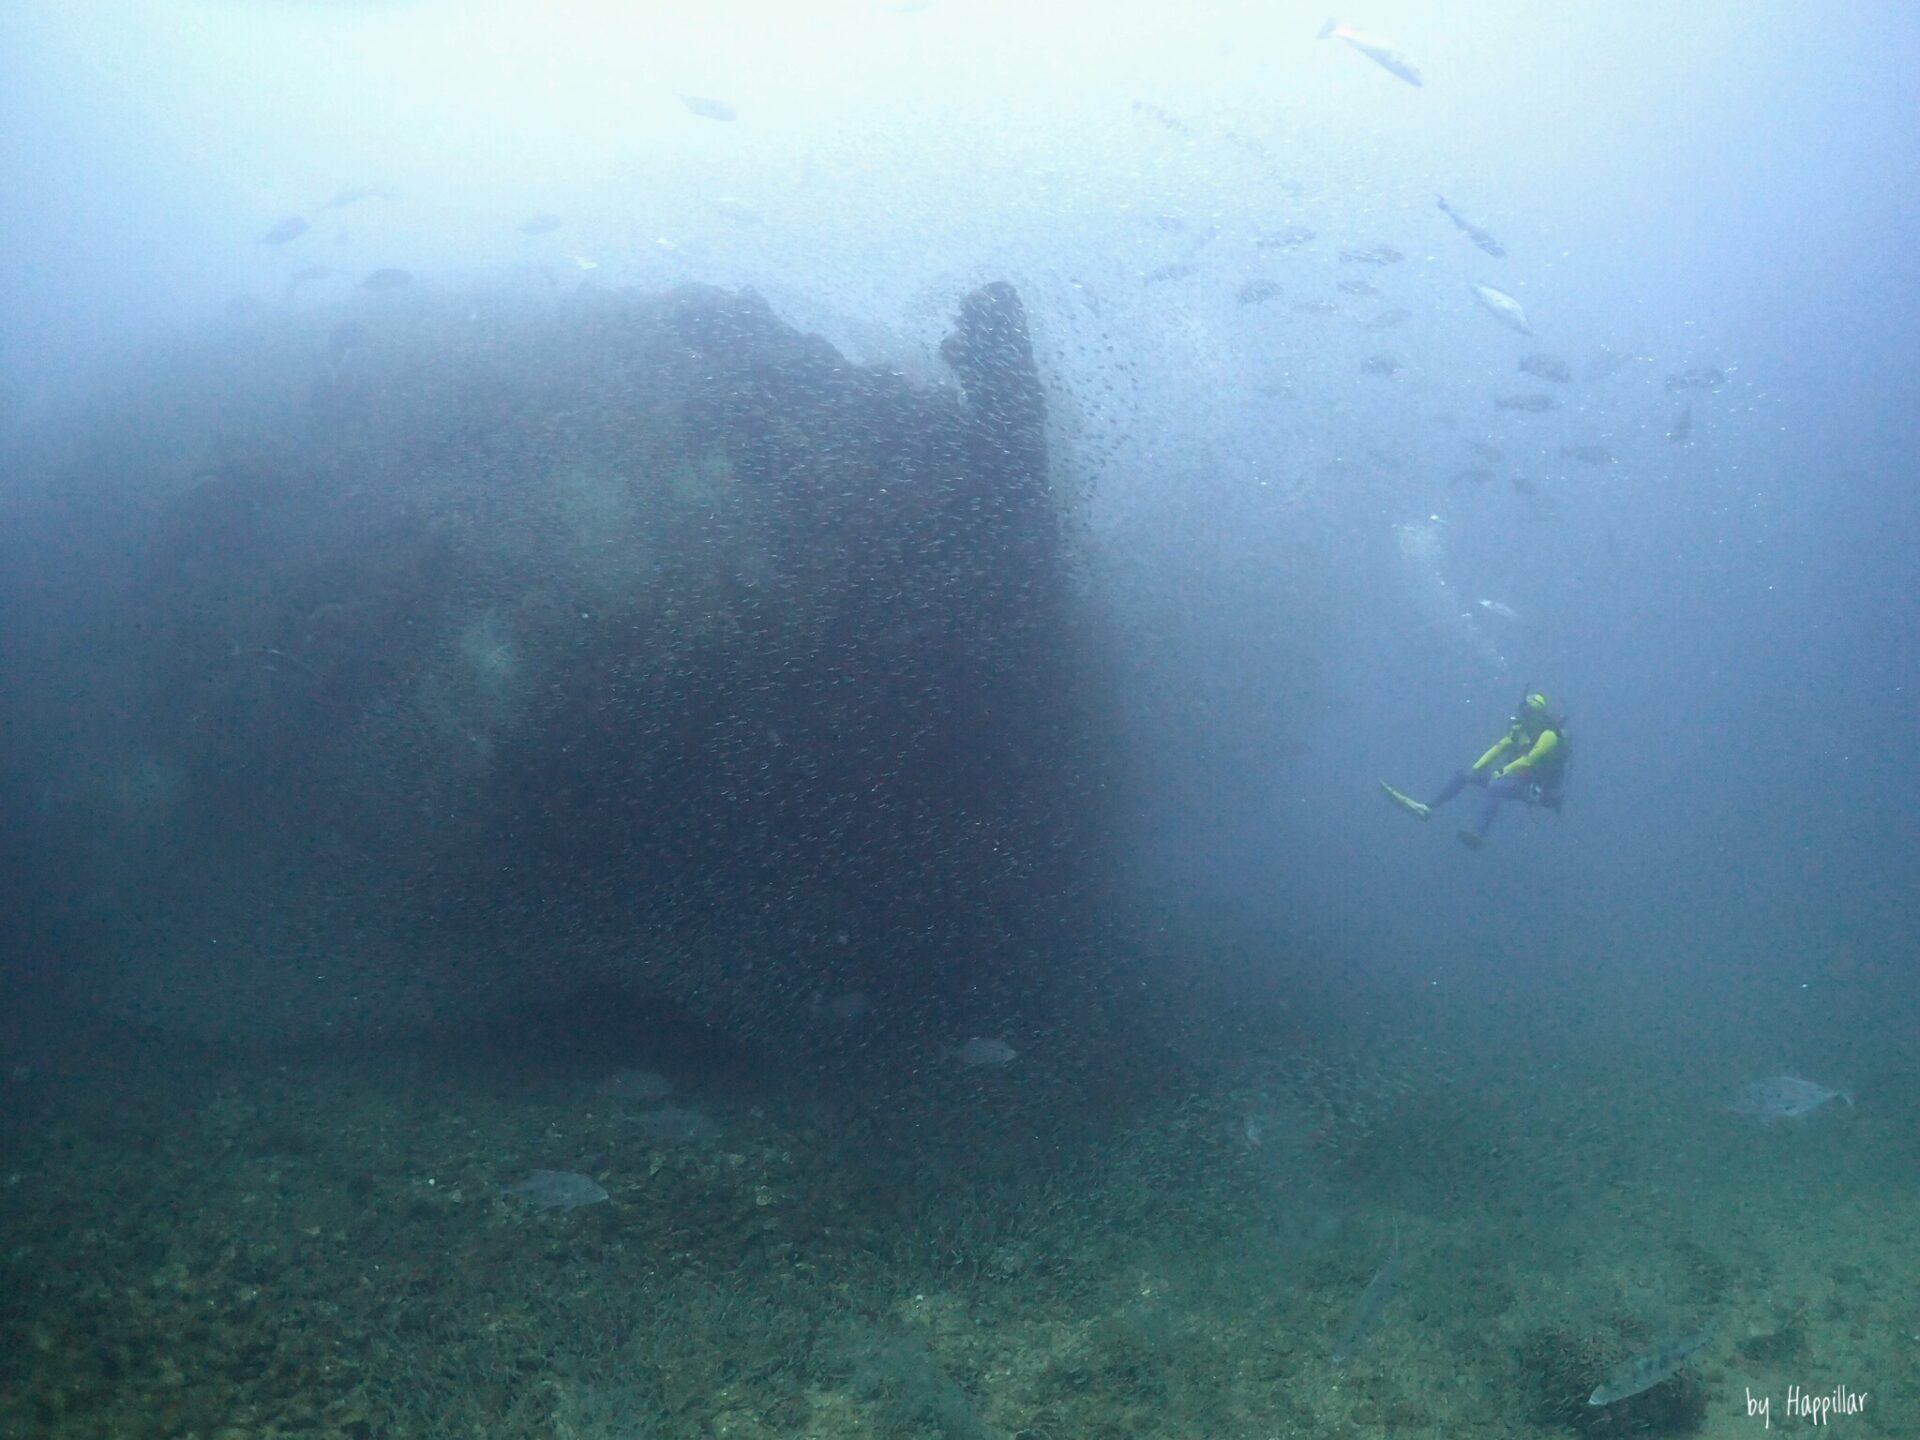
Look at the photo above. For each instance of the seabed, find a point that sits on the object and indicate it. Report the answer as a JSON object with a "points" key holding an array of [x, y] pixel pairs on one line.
{"points": [[215, 1247]]}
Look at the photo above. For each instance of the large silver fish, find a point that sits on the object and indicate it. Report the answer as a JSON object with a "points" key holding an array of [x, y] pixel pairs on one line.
{"points": [[558, 1190], [1643, 1372], [1784, 1097], [1372, 1301], [1374, 48], [982, 1051], [1503, 307]]}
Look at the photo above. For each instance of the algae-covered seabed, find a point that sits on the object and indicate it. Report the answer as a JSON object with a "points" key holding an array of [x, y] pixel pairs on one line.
{"points": [[222, 1247]]}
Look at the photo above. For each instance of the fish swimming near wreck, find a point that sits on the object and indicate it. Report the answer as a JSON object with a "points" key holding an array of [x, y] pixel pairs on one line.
{"points": [[1503, 307], [1532, 404], [1472, 231], [1375, 49], [1643, 1372], [1680, 432], [1587, 454], [1784, 1097], [1379, 255]]}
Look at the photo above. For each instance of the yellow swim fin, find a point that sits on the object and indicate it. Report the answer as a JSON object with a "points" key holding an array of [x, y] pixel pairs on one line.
{"points": [[1406, 802]]}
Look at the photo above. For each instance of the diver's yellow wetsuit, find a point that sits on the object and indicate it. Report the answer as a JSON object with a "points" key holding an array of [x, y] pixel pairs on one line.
{"points": [[1536, 743], [1537, 760]]}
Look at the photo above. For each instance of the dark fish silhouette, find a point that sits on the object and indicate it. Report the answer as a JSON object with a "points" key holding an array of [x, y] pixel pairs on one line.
{"points": [[539, 224], [1587, 454], [387, 278], [709, 109], [1472, 231], [1166, 118], [1178, 270], [1379, 365], [1387, 319], [300, 277], [1547, 367], [1681, 430], [291, 228], [1379, 255], [1374, 48], [1607, 361], [1290, 238], [1531, 403], [1256, 291], [1700, 377], [1358, 287], [352, 194], [1643, 1372]]}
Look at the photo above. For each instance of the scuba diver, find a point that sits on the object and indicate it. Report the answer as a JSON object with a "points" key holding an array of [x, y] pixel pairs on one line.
{"points": [[1536, 753]]}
